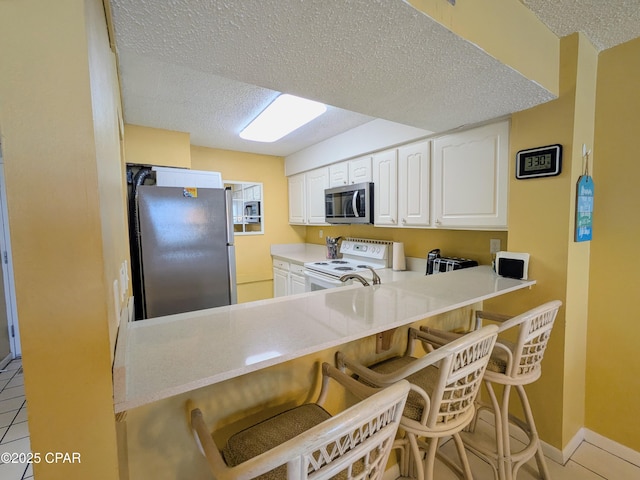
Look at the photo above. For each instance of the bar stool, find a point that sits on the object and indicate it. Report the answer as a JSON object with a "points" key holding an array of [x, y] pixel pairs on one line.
{"points": [[513, 365], [306, 441], [444, 385]]}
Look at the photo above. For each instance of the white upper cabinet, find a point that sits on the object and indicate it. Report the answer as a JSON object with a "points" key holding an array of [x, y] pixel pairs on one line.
{"points": [[385, 185], [317, 181], [306, 196], [470, 172], [338, 174], [414, 168], [453, 181], [360, 170], [297, 199], [349, 172]]}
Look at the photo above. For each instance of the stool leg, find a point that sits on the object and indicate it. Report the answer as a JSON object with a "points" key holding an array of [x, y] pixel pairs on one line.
{"points": [[497, 410], [402, 444], [507, 462], [526, 407], [464, 460], [430, 458], [416, 456]]}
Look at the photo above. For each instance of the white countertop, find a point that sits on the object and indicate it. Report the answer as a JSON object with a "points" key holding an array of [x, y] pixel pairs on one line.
{"points": [[300, 253], [166, 356]]}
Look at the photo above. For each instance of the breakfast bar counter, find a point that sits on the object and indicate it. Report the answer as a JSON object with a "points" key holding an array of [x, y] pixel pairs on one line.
{"points": [[166, 356]]}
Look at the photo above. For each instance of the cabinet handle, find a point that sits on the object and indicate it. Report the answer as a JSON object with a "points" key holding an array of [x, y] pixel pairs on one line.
{"points": [[404, 221], [438, 222], [393, 220]]}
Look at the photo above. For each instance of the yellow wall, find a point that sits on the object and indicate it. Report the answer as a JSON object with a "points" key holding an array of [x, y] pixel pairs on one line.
{"points": [[614, 319], [541, 218], [506, 30], [418, 241], [59, 127], [156, 146], [253, 257]]}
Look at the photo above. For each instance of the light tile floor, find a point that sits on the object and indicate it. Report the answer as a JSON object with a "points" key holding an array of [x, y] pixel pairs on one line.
{"points": [[587, 463], [14, 432]]}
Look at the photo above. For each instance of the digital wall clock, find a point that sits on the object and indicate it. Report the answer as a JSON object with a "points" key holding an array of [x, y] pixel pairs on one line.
{"points": [[539, 162]]}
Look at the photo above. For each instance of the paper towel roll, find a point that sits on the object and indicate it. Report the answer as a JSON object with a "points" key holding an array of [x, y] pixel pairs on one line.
{"points": [[399, 262]]}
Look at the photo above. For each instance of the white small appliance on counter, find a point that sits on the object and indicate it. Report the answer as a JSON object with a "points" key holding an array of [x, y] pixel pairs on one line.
{"points": [[512, 265], [357, 256]]}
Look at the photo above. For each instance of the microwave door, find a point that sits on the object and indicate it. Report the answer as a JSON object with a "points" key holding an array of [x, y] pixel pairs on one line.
{"points": [[345, 205]]}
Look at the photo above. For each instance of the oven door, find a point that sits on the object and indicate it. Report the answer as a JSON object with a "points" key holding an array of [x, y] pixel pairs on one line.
{"points": [[314, 281]]}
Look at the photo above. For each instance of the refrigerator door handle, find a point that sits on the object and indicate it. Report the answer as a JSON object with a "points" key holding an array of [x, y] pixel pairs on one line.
{"points": [[229, 207], [233, 288]]}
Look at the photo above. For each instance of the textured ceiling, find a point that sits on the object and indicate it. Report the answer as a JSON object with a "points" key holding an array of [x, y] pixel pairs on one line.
{"points": [[607, 23], [207, 67]]}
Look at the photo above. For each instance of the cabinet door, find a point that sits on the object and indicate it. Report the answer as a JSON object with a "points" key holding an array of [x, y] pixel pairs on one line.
{"points": [[317, 181], [338, 174], [297, 197], [280, 283], [360, 170], [414, 164], [471, 177], [385, 195], [296, 284]]}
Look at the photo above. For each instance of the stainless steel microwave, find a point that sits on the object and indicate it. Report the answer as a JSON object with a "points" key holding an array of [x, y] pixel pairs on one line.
{"points": [[349, 204]]}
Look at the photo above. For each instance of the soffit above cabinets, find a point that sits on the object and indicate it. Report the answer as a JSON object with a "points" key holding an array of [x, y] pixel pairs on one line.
{"points": [[207, 67]]}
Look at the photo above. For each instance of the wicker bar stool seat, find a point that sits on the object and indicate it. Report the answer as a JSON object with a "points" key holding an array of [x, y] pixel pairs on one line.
{"points": [[308, 442], [444, 386]]}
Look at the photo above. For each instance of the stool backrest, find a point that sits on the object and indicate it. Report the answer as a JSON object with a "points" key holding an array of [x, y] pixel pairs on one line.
{"points": [[535, 329], [460, 377]]}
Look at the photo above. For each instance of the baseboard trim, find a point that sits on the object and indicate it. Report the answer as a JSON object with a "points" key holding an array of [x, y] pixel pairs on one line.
{"points": [[589, 436], [563, 456], [615, 448]]}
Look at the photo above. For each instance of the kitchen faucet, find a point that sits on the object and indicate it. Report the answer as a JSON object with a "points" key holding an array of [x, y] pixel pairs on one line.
{"points": [[376, 277], [355, 276]]}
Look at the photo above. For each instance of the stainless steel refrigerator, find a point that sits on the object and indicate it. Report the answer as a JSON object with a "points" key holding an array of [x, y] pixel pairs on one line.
{"points": [[186, 251]]}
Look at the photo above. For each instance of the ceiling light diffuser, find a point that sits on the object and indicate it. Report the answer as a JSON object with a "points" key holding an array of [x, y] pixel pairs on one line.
{"points": [[285, 114]]}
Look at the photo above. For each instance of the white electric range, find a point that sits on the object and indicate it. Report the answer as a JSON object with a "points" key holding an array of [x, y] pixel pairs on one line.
{"points": [[357, 255]]}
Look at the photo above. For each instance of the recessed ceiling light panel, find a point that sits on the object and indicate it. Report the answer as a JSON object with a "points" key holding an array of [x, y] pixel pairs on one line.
{"points": [[285, 114]]}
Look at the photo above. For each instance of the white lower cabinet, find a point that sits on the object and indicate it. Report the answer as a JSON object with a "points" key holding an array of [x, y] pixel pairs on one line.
{"points": [[280, 278], [288, 278], [296, 279], [470, 170]]}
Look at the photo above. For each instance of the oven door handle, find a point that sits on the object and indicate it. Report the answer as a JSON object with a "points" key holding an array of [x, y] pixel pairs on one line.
{"points": [[321, 276]]}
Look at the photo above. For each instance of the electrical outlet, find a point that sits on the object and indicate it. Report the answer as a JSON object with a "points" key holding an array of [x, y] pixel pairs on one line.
{"points": [[494, 245], [320, 233]]}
